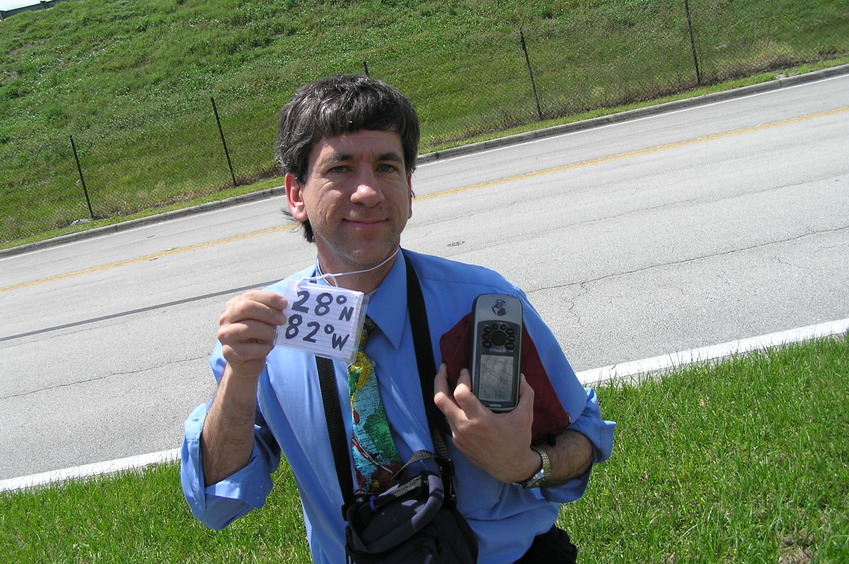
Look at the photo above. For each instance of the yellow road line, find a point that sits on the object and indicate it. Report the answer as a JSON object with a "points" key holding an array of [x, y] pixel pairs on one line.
{"points": [[443, 193], [637, 153], [169, 252]]}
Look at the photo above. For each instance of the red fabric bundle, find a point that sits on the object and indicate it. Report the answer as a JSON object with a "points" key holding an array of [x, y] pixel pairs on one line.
{"points": [[550, 419]]}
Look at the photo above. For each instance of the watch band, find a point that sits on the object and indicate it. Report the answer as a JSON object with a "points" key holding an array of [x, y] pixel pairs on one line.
{"points": [[540, 476]]}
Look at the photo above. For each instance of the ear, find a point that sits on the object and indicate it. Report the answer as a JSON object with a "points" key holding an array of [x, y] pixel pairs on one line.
{"points": [[294, 197], [409, 195]]}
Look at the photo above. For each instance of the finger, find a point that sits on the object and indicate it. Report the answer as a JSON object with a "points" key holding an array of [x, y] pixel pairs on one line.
{"points": [[246, 342], [464, 396], [245, 352], [265, 307], [526, 392], [465, 380], [270, 299], [442, 396], [247, 331], [525, 408]]}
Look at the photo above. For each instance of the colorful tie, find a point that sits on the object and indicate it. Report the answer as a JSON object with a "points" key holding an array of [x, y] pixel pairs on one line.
{"points": [[375, 457]]}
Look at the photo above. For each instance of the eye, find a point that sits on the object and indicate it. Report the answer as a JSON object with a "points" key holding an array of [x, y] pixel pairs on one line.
{"points": [[387, 167]]}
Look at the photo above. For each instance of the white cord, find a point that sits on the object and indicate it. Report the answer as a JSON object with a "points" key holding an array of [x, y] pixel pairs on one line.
{"points": [[333, 276]]}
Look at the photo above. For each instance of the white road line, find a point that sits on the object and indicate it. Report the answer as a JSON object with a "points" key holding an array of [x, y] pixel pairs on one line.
{"points": [[88, 470], [632, 370], [647, 366]]}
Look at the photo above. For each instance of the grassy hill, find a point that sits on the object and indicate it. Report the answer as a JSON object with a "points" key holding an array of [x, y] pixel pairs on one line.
{"points": [[131, 81]]}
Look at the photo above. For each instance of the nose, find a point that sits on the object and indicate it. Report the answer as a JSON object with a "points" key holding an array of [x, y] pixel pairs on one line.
{"points": [[367, 191]]}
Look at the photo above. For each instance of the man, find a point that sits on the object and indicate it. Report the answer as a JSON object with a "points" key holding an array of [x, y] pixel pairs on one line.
{"points": [[348, 146]]}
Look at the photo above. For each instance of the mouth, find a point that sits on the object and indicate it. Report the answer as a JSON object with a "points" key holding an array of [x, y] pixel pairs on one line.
{"points": [[365, 222]]}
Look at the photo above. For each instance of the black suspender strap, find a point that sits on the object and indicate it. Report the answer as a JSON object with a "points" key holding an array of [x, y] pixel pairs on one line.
{"points": [[424, 358], [436, 421], [335, 427]]}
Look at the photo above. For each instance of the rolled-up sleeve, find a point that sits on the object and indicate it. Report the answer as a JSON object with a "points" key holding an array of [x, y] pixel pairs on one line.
{"points": [[575, 400], [219, 504], [600, 434]]}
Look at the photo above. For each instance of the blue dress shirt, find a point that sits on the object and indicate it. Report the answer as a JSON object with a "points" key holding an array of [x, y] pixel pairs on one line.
{"points": [[290, 417]]}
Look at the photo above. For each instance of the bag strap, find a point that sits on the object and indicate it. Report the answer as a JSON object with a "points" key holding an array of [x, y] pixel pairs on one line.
{"points": [[335, 428], [427, 370], [424, 355]]}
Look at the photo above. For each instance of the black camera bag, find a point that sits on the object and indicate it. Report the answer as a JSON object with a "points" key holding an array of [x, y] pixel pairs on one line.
{"points": [[411, 522]]}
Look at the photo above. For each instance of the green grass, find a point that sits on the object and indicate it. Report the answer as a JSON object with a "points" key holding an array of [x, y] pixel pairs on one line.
{"points": [[742, 461], [132, 81]]}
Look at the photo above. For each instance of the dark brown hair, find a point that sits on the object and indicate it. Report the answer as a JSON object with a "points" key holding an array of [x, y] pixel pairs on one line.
{"points": [[337, 105]]}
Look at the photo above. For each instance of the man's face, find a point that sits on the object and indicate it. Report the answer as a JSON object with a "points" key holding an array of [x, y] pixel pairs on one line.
{"points": [[357, 197]]}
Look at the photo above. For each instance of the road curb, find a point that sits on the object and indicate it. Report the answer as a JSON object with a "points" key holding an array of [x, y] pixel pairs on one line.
{"points": [[150, 220]]}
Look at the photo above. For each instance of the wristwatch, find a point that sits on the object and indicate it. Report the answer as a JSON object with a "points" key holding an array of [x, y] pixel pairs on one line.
{"points": [[540, 476]]}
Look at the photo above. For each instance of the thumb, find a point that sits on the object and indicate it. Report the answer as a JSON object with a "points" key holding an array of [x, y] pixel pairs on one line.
{"points": [[526, 395]]}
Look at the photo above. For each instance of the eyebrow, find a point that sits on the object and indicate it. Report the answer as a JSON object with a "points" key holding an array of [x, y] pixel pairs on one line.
{"points": [[391, 156]]}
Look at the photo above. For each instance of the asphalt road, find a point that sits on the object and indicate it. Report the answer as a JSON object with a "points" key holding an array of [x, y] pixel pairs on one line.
{"points": [[679, 230]]}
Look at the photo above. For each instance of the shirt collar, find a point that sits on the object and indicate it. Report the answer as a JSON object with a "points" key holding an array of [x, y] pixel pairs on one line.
{"points": [[387, 306]]}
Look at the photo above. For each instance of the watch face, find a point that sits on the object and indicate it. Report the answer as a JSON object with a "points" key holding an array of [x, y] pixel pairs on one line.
{"points": [[545, 470], [536, 480], [540, 475]]}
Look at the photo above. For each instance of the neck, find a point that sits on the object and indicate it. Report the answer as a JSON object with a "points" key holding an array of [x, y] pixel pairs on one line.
{"points": [[365, 280]]}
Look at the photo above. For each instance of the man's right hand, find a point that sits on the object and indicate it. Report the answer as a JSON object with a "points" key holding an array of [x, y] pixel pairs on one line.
{"points": [[247, 330]]}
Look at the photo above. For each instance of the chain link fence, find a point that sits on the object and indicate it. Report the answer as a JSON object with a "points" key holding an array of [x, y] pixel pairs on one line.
{"points": [[523, 76]]}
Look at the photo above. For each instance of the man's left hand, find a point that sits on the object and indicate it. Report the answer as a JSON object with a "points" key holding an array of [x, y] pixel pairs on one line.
{"points": [[497, 443]]}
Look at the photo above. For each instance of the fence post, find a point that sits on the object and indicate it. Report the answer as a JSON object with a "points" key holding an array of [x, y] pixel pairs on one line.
{"points": [[530, 71], [223, 141], [82, 178], [692, 42]]}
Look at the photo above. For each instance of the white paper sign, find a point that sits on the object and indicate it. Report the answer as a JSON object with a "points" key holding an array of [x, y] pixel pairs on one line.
{"points": [[323, 320]]}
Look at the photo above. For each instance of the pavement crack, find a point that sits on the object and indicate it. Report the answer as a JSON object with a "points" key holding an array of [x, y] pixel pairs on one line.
{"points": [[97, 378], [135, 311], [584, 283]]}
